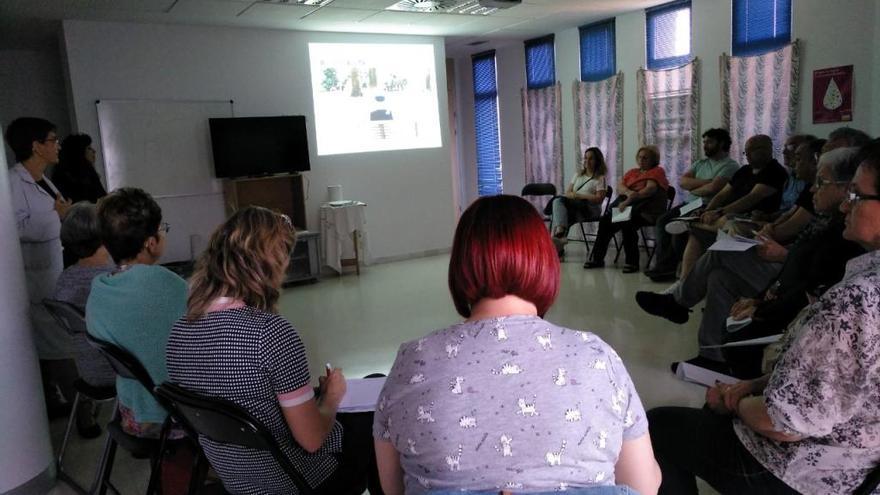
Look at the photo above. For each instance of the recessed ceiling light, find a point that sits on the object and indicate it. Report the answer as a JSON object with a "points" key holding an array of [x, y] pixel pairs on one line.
{"points": [[470, 7], [315, 3]]}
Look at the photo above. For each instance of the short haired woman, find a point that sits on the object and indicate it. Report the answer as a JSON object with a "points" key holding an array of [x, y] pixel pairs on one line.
{"points": [[233, 344], [506, 399], [644, 188], [583, 197]]}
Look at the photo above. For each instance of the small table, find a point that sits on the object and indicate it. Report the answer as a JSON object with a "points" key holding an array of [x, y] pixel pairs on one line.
{"points": [[343, 238]]}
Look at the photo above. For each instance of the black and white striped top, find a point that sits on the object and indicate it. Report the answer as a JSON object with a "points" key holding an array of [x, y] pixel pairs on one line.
{"points": [[249, 357]]}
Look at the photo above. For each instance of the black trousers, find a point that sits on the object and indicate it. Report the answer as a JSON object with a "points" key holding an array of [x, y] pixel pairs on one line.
{"points": [[692, 442], [357, 469], [607, 230], [669, 248]]}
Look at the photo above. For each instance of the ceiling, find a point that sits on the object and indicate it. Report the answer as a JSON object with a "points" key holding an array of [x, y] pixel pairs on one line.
{"points": [[34, 23]]}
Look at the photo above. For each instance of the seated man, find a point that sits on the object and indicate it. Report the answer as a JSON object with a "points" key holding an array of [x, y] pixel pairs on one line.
{"points": [[793, 185], [135, 306], [703, 180], [724, 276], [755, 190]]}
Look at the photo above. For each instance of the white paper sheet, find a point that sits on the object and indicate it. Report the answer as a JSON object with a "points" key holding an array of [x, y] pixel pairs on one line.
{"points": [[734, 325], [621, 216], [725, 242], [361, 394], [702, 376], [693, 205], [770, 339]]}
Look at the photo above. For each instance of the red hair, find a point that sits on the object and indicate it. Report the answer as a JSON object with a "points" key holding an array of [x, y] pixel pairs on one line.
{"points": [[502, 247]]}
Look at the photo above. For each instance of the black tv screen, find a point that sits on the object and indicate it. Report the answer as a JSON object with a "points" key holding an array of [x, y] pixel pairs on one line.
{"points": [[254, 146]]}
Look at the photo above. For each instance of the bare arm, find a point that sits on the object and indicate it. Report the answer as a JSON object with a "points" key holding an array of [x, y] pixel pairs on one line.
{"points": [[721, 198], [689, 182], [787, 230], [753, 412], [748, 202], [390, 472], [311, 421], [711, 187], [636, 466]]}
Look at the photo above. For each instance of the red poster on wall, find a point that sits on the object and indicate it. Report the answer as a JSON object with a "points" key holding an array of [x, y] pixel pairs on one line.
{"points": [[833, 94]]}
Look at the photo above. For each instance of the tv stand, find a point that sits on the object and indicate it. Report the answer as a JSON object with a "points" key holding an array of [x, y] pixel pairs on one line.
{"points": [[282, 193]]}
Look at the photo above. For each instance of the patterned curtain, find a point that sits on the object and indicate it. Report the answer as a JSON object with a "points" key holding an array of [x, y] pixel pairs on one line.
{"points": [[669, 116], [598, 121], [542, 129], [759, 95]]}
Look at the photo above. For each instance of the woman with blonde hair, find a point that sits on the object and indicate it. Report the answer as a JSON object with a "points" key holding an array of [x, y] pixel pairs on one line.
{"points": [[233, 344]]}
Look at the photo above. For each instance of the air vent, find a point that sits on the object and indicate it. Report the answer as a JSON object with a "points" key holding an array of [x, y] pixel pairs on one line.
{"points": [[469, 7]]}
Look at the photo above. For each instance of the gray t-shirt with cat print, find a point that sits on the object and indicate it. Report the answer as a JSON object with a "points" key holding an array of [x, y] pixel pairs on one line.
{"points": [[514, 402]]}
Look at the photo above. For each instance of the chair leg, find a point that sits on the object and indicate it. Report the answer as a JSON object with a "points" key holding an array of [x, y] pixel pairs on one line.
{"points": [[617, 247], [584, 235], [649, 250], [105, 467], [156, 462], [70, 422]]}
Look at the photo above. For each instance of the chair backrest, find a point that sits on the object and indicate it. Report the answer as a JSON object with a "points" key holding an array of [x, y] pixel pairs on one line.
{"points": [[223, 421], [539, 189], [608, 193], [670, 197], [68, 316], [123, 362]]}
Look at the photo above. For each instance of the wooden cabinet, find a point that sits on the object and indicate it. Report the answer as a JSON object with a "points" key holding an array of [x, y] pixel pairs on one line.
{"points": [[282, 193]]}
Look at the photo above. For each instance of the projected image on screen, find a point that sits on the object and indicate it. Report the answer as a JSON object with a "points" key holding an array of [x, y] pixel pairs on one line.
{"points": [[372, 97]]}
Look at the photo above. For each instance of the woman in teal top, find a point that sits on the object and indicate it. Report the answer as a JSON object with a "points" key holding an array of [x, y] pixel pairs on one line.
{"points": [[135, 306]]}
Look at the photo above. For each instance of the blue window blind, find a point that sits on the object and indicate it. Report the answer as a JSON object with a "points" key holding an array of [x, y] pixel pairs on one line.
{"points": [[668, 34], [760, 26], [597, 51], [486, 124], [540, 63]]}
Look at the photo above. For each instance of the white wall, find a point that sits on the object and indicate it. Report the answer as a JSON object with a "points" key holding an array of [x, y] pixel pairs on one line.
{"points": [[832, 33], [32, 86], [266, 72]]}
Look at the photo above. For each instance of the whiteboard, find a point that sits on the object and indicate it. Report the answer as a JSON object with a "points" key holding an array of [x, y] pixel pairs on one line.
{"points": [[164, 148]]}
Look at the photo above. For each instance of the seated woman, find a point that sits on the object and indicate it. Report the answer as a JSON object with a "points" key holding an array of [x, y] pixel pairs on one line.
{"points": [[135, 305], [81, 238], [643, 188], [805, 427], [506, 399], [583, 197], [233, 344]]}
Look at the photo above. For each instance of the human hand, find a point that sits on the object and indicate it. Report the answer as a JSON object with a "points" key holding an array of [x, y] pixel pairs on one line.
{"points": [[570, 194], [770, 250], [709, 217], [715, 399], [62, 206], [623, 204], [732, 394], [744, 308], [332, 387], [766, 231]]}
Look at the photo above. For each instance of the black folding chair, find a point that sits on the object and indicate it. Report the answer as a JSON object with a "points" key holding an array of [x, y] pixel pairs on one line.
{"points": [[128, 366], [652, 247], [226, 422], [537, 190], [605, 209]]}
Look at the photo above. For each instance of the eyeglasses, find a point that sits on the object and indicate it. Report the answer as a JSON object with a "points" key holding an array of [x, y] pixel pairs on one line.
{"points": [[53, 140], [164, 228], [820, 182], [856, 197]]}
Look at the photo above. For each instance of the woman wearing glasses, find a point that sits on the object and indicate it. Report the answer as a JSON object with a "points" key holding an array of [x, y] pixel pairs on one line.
{"points": [[807, 427], [39, 209], [234, 345]]}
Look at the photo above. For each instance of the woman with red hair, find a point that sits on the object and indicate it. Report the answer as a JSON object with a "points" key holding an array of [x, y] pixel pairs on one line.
{"points": [[505, 399]]}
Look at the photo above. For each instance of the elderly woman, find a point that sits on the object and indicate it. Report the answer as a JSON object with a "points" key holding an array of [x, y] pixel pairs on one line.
{"points": [[506, 399], [583, 197], [82, 239], [39, 209], [75, 173], [233, 344], [805, 427], [643, 188]]}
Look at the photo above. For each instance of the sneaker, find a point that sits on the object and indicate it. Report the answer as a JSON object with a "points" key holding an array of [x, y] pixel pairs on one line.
{"points": [[663, 305], [677, 227], [704, 362], [594, 264]]}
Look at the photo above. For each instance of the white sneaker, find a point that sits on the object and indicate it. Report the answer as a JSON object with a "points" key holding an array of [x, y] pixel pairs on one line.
{"points": [[677, 227]]}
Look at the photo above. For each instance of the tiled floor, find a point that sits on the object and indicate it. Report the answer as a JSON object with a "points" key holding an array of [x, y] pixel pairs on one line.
{"points": [[357, 323]]}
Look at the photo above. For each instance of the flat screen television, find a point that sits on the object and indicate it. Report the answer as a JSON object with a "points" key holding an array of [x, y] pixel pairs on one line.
{"points": [[255, 146]]}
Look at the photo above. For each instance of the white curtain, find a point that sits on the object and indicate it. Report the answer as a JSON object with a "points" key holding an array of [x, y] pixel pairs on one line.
{"points": [[542, 129], [759, 95], [669, 116], [598, 121]]}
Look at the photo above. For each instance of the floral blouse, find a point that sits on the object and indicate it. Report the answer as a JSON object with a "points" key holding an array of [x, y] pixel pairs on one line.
{"points": [[826, 388]]}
